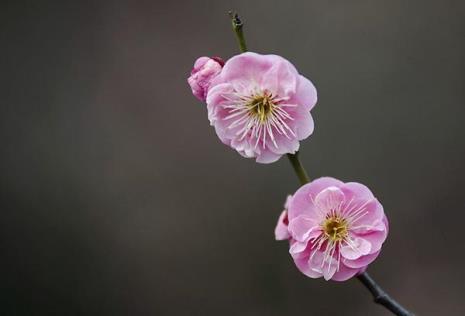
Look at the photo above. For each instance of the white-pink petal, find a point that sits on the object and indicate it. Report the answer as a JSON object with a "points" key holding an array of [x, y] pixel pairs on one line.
{"points": [[303, 228], [355, 248]]}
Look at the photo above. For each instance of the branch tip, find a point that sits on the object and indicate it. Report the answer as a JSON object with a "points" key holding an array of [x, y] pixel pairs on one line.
{"points": [[235, 19]]}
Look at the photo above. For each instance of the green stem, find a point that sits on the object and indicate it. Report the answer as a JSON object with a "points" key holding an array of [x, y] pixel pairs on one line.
{"points": [[298, 168], [237, 28]]}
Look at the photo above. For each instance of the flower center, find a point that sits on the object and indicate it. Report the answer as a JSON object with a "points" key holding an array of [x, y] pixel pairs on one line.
{"points": [[261, 106], [335, 228], [260, 116]]}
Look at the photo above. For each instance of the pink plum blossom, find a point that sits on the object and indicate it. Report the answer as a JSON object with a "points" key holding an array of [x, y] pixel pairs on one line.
{"points": [[336, 229], [260, 106], [204, 71]]}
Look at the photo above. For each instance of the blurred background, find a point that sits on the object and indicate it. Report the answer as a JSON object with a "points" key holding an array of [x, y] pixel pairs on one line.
{"points": [[119, 199]]}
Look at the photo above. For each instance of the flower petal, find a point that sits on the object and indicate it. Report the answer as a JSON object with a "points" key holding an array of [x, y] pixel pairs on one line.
{"points": [[281, 78], [362, 261], [376, 239], [330, 198], [297, 248], [281, 232], [247, 66], [267, 156], [327, 266], [305, 127], [355, 248], [344, 273], [306, 94], [304, 266], [302, 202], [303, 228], [364, 213], [285, 145], [358, 190]]}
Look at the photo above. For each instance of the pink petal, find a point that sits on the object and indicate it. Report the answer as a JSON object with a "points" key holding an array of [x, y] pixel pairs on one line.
{"points": [[362, 261], [303, 228], [364, 212], [281, 232], [358, 247], [355, 189], [285, 145], [344, 273], [305, 128], [326, 269], [267, 156], [248, 66], [330, 198], [376, 239], [363, 229], [305, 95], [201, 61], [304, 267], [281, 78], [215, 100], [302, 203], [297, 248], [288, 202]]}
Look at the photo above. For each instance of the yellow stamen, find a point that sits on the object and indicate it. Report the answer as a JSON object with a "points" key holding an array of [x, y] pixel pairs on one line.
{"points": [[335, 228], [261, 106]]}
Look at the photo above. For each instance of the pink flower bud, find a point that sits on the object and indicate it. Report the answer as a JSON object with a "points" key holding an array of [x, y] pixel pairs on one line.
{"points": [[204, 71]]}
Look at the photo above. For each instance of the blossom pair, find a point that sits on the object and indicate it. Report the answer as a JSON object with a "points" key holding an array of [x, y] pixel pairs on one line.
{"points": [[260, 106]]}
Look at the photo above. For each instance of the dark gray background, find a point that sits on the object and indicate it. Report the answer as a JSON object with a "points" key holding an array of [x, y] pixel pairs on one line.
{"points": [[119, 199]]}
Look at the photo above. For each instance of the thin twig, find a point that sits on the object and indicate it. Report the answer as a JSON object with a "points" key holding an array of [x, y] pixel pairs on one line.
{"points": [[237, 26], [379, 296], [298, 168]]}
